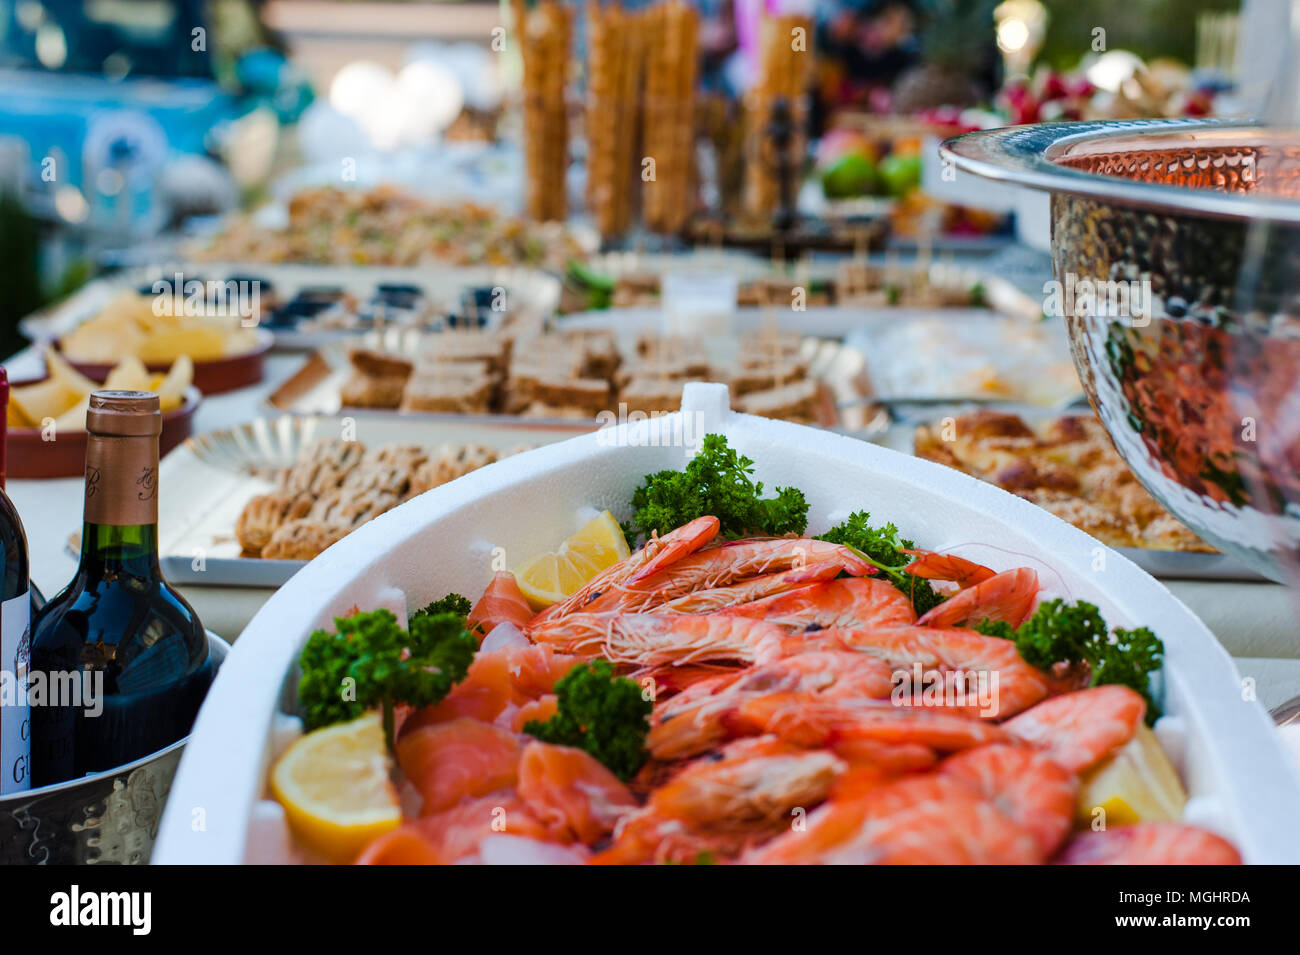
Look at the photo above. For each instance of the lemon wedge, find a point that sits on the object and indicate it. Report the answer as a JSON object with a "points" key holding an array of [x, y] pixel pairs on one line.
{"points": [[335, 788], [551, 577], [1137, 784]]}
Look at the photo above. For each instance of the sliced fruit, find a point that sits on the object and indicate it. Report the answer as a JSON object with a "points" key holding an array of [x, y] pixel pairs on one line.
{"points": [[551, 577], [1137, 784], [336, 790]]}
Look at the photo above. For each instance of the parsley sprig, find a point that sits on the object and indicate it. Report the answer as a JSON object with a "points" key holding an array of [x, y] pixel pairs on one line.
{"points": [[883, 547], [1059, 632], [371, 661], [717, 481], [604, 714]]}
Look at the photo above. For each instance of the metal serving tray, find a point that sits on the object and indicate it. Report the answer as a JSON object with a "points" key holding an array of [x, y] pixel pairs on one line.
{"points": [[212, 476]]}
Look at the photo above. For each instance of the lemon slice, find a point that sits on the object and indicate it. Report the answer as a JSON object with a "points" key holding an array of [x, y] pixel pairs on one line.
{"points": [[551, 577], [1136, 784], [335, 788]]}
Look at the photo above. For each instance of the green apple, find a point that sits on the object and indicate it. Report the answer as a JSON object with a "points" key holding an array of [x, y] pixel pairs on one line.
{"points": [[850, 175], [900, 174]]}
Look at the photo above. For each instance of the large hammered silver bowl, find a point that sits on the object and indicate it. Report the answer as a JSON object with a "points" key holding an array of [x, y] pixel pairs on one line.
{"points": [[1200, 391]]}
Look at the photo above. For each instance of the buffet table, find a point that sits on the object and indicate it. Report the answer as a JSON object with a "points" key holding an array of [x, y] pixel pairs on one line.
{"points": [[1256, 622]]}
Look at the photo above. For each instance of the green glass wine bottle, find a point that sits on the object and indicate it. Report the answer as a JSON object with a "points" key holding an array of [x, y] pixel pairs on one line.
{"points": [[120, 662]]}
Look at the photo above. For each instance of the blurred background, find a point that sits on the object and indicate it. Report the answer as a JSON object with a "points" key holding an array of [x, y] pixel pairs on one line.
{"points": [[125, 124]]}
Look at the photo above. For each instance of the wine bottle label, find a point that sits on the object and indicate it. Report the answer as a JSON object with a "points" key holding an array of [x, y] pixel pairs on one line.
{"points": [[15, 711], [121, 480]]}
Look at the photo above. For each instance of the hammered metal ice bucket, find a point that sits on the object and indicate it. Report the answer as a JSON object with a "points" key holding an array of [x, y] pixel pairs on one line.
{"points": [[1186, 236], [108, 817]]}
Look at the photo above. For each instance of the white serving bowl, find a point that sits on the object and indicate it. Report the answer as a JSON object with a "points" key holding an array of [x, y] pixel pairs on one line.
{"points": [[1240, 782]]}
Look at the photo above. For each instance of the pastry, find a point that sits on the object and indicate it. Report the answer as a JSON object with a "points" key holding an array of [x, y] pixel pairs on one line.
{"points": [[394, 479], [449, 463], [350, 507], [302, 539], [264, 514], [1065, 465], [321, 466]]}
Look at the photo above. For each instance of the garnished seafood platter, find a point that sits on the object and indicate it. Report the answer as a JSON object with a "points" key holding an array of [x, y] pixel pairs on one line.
{"points": [[762, 644]]}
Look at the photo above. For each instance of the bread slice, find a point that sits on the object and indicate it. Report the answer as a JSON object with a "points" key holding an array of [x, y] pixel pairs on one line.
{"points": [[651, 394], [378, 364], [588, 394], [372, 391], [799, 401], [447, 394]]}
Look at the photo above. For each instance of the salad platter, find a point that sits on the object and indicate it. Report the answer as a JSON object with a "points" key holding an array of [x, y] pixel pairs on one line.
{"points": [[249, 762]]}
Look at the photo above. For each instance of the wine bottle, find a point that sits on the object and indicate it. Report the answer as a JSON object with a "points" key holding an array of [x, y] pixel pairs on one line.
{"points": [[118, 633], [15, 632]]}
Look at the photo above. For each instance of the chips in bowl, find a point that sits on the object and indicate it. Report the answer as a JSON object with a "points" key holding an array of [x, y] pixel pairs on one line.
{"points": [[129, 327], [64, 396]]}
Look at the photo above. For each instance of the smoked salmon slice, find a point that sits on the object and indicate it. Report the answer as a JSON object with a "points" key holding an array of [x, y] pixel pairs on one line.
{"points": [[446, 762], [405, 845], [502, 602], [574, 796], [511, 675], [456, 832], [541, 709]]}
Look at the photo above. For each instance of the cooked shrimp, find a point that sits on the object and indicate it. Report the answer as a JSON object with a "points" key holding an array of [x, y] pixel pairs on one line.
{"points": [[884, 760], [1018, 684], [648, 639], [663, 841], [916, 820], [748, 782], [658, 553], [852, 602], [669, 681], [1029, 788], [755, 588], [722, 566], [808, 720], [1149, 843], [1080, 729], [696, 720], [674, 546], [748, 788], [935, 566], [1006, 596]]}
